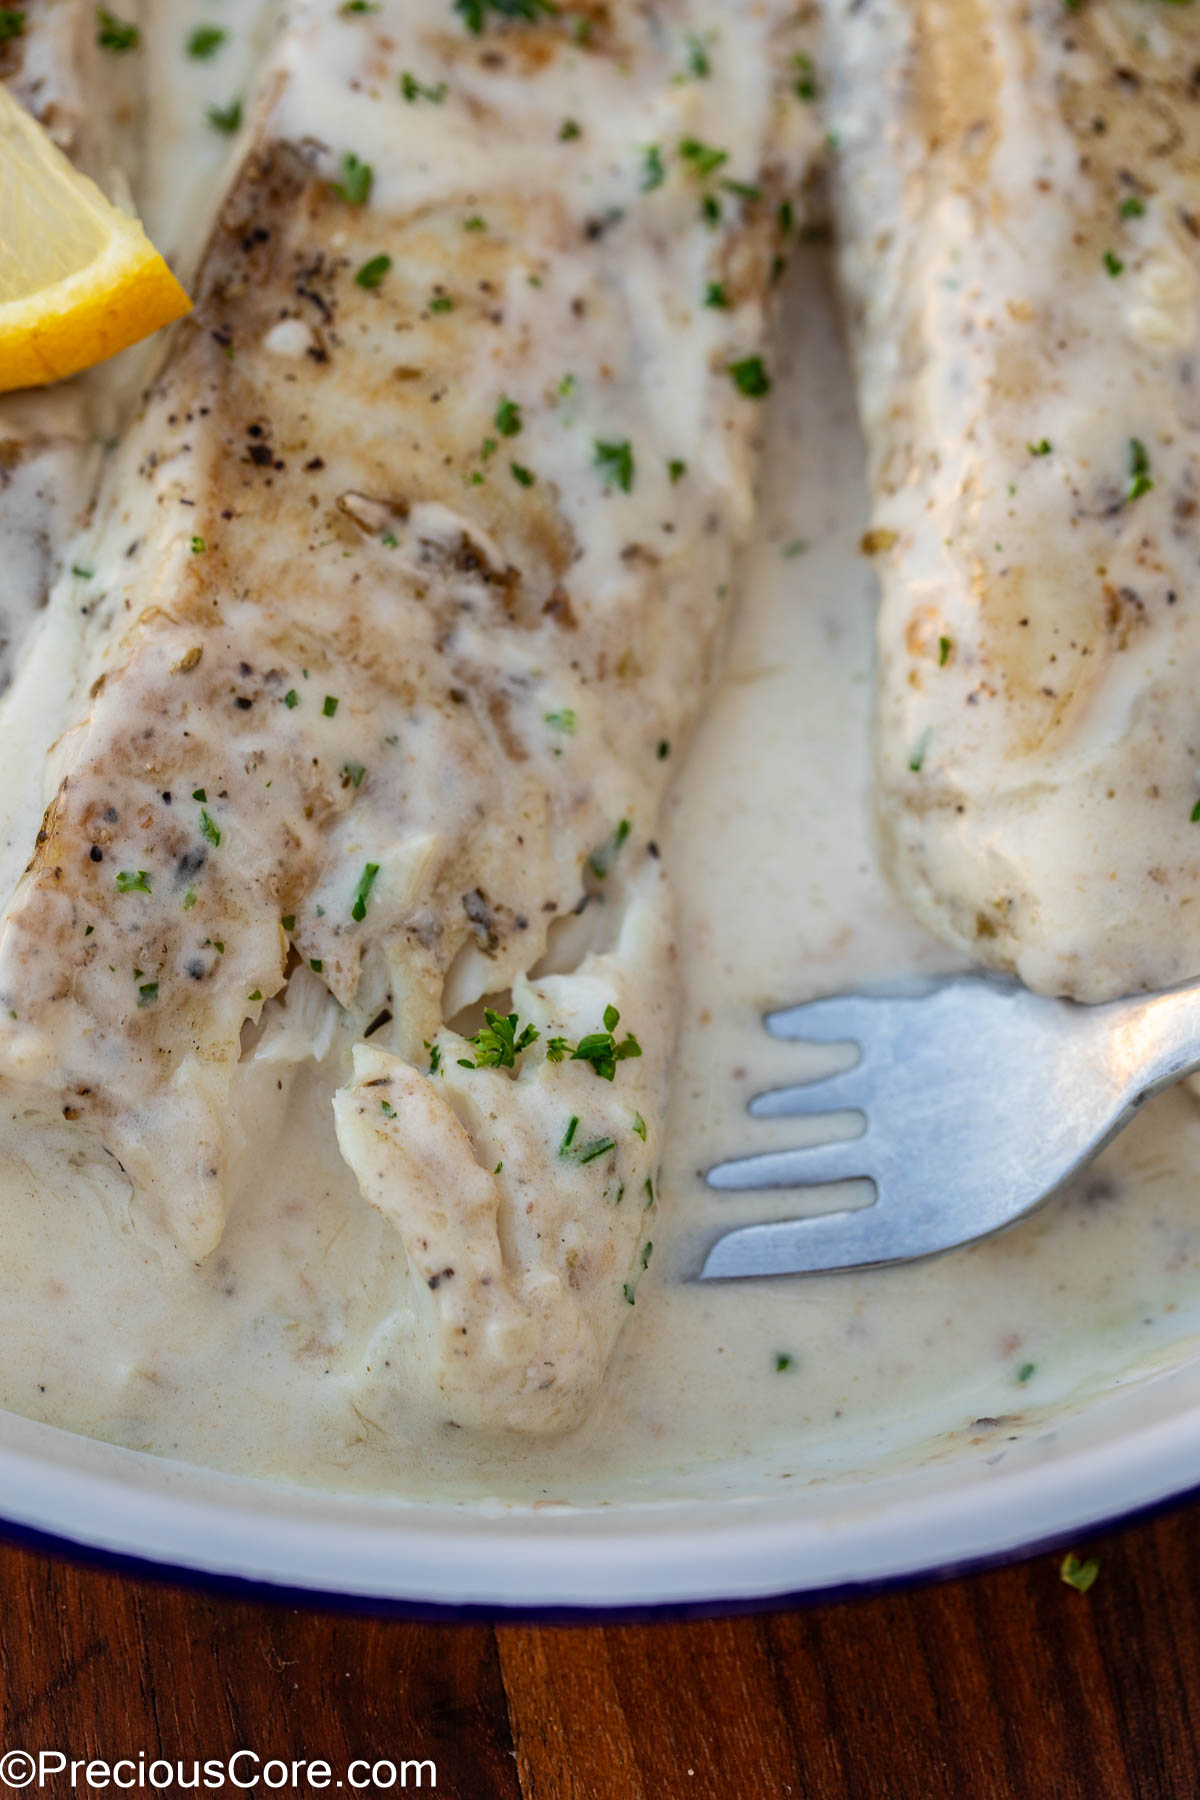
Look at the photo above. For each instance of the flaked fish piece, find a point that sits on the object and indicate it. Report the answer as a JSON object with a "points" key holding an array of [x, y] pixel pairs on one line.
{"points": [[1018, 189], [410, 580]]}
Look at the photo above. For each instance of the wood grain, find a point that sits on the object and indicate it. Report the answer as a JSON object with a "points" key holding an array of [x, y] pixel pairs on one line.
{"points": [[1008, 1684]]}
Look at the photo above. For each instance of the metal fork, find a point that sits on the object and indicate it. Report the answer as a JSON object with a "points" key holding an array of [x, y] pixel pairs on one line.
{"points": [[981, 1100]]}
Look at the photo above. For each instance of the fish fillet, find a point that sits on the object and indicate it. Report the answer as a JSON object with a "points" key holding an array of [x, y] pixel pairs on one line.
{"points": [[409, 579], [1019, 198]]}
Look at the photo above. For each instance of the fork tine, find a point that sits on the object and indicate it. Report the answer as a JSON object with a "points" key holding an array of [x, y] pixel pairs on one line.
{"points": [[845, 1240], [845, 1159], [840, 1018], [849, 1088]]}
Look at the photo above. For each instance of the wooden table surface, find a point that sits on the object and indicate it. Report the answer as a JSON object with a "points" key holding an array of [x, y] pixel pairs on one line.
{"points": [[1006, 1683]]}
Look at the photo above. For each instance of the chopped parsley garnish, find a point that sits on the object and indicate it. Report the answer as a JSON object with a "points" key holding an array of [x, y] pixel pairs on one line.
{"points": [[916, 761], [189, 900], [648, 1190], [81, 574], [358, 178], [783, 1362], [209, 828], [498, 1043], [653, 172], [198, 546], [568, 130], [750, 377], [676, 470], [205, 41], [664, 749], [568, 1137], [698, 63], [489, 447], [291, 698], [330, 705], [639, 1125], [113, 33], [354, 773], [131, 882], [349, 7], [714, 294], [1139, 470], [704, 159], [520, 473], [556, 1049], [710, 211], [1076, 1574], [474, 12], [199, 794], [435, 1056], [616, 462], [601, 860], [598, 1147], [785, 217], [1113, 263], [12, 23], [414, 90], [508, 417], [562, 720], [1132, 208], [441, 303], [628, 1292], [475, 223], [362, 892], [256, 995], [805, 85], [148, 993], [1025, 1371], [745, 190], [944, 648], [647, 1253], [601, 1049], [226, 118], [373, 271], [387, 1109], [1042, 448], [315, 964], [288, 921]]}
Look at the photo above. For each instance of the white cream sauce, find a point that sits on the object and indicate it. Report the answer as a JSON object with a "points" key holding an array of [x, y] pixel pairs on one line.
{"points": [[255, 1361]]}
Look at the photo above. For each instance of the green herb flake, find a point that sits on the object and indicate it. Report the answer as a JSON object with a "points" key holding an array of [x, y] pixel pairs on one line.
{"points": [[198, 546], [714, 295], [189, 900], [676, 470], [664, 749], [568, 1137], [598, 1147], [12, 23], [199, 794], [209, 828], [750, 377], [147, 993], [435, 1057], [639, 1126], [354, 773], [1139, 470], [508, 417], [697, 58], [628, 1292], [362, 892], [387, 1109], [601, 1049], [288, 921], [920, 749], [349, 8], [805, 85], [474, 12], [601, 860], [226, 118], [256, 995], [1026, 1372], [330, 705], [647, 1252], [1042, 448], [373, 271], [710, 211], [648, 1190], [475, 223], [1113, 263], [131, 881], [414, 90], [783, 1362], [703, 159], [205, 41], [441, 303], [1077, 1574], [616, 462], [1132, 208], [563, 720], [521, 474], [497, 1042], [569, 130], [944, 648], [653, 171], [556, 1049], [315, 964], [358, 178], [114, 34], [291, 699], [82, 574]]}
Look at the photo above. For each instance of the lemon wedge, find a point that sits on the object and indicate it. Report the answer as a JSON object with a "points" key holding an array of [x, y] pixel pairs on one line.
{"points": [[79, 279]]}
